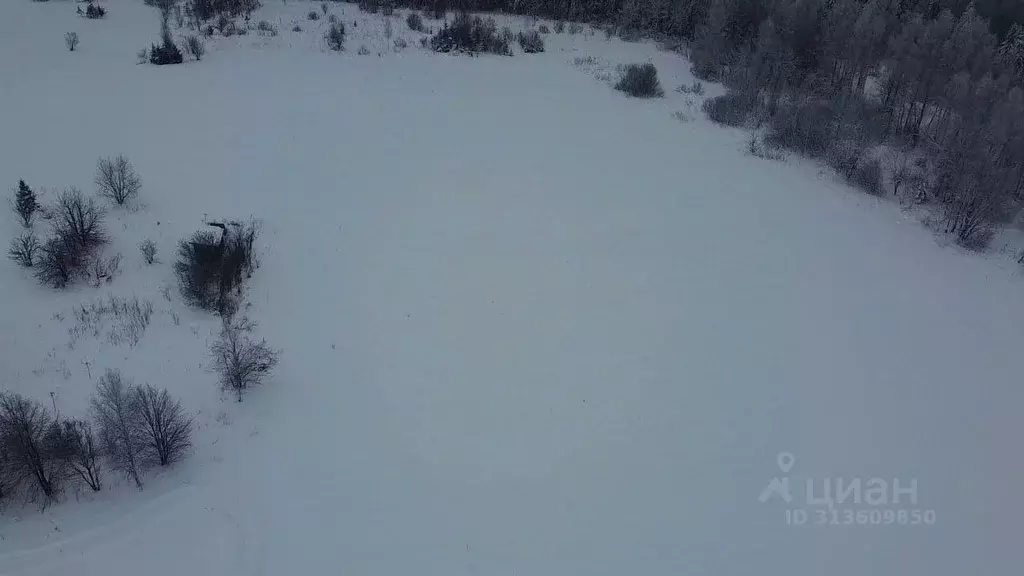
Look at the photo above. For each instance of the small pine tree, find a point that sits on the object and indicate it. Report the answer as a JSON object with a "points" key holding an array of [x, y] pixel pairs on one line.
{"points": [[25, 203]]}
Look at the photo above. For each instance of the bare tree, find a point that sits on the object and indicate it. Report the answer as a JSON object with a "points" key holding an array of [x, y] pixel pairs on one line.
{"points": [[60, 259], [117, 180], [73, 443], [240, 361], [166, 427], [116, 414], [23, 249], [79, 219], [71, 40], [23, 426]]}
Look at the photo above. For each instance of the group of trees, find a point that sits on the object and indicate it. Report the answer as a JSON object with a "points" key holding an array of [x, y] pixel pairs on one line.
{"points": [[939, 82], [76, 222], [130, 428]]}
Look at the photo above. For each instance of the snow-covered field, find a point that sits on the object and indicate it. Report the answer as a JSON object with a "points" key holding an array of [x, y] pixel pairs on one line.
{"points": [[529, 326]]}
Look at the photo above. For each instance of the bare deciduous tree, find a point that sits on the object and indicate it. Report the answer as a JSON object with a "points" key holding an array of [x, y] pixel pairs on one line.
{"points": [[116, 413], [240, 361], [195, 47], [23, 427], [79, 219], [73, 443], [23, 249], [117, 180], [166, 427]]}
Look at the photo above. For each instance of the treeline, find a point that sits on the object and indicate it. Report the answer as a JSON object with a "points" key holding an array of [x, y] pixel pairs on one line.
{"points": [[937, 82]]}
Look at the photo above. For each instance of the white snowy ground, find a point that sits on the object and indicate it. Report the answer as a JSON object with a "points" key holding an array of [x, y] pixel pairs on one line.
{"points": [[530, 326]]}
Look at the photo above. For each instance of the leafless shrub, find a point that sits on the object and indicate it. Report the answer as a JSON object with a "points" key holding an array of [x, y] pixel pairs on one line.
{"points": [[266, 28], [575, 28], [363, 50], [313, 15], [559, 27], [105, 269], [23, 426], [195, 47], [166, 428], [71, 40], [543, 29], [61, 258], [756, 146], [115, 411], [296, 28], [388, 30], [125, 319], [73, 443], [240, 361], [148, 249], [142, 56], [23, 249]]}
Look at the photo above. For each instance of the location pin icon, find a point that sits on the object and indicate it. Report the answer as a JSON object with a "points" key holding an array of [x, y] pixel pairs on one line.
{"points": [[785, 460]]}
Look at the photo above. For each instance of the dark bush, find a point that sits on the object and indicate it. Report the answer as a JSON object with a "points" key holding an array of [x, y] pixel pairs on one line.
{"points": [[265, 28], [60, 260], [94, 11], [25, 203], [71, 40], [313, 15], [415, 22], [804, 126], [731, 109], [23, 250], [543, 29], [166, 53], [697, 88], [559, 27], [211, 267], [369, 6], [472, 35], [640, 81], [296, 28], [335, 36], [531, 42], [73, 443]]}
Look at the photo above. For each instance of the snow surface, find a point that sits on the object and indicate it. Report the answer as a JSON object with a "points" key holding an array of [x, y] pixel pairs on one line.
{"points": [[530, 326]]}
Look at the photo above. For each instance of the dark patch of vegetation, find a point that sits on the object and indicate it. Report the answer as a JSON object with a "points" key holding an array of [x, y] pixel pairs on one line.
{"points": [[640, 81]]}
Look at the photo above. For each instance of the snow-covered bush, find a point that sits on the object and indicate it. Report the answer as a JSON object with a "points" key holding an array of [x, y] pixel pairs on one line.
{"points": [[363, 50], [71, 40], [313, 15], [868, 176], [559, 27], [531, 42], [165, 53], [240, 361], [640, 81], [116, 179], [335, 36], [148, 249], [543, 29], [697, 88], [266, 28], [23, 249], [470, 34]]}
